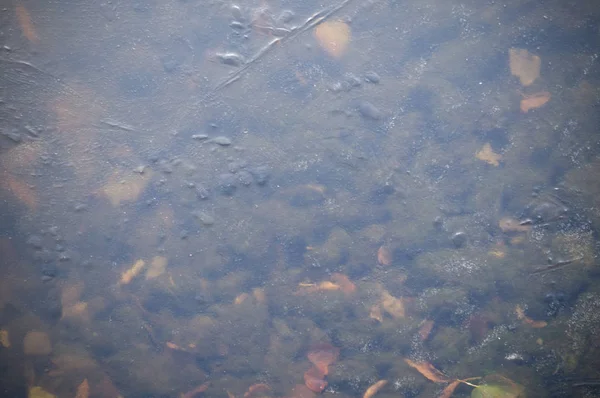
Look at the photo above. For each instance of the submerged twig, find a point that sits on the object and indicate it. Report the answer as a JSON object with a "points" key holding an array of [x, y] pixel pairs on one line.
{"points": [[554, 267]]}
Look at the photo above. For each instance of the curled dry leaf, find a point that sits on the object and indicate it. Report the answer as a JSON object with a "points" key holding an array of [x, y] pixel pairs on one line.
{"points": [[487, 154], [323, 355], [533, 101], [333, 37], [533, 323], [26, 24], [83, 390], [393, 305], [524, 65], [372, 390], [315, 380], [428, 371], [127, 276], [384, 255]]}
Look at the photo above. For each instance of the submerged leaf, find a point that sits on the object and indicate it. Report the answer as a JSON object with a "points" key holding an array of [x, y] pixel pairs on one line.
{"points": [[449, 389], [533, 101], [127, 276], [83, 390], [524, 65], [384, 255], [428, 371], [323, 355], [333, 37], [372, 390], [487, 154], [26, 24], [39, 392], [314, 380], [4, 339], [393, 305]]}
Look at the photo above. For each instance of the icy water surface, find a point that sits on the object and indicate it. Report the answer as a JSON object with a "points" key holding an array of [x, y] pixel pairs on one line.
{"points": [[293, 199]]}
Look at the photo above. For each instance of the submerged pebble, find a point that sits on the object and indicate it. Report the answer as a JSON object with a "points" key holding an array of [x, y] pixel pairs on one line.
{"points": [[368, 110], [232, 59], [227, 184]]}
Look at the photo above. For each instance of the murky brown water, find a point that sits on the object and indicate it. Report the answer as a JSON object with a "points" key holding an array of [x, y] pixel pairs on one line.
{"points": [[277, 199]]}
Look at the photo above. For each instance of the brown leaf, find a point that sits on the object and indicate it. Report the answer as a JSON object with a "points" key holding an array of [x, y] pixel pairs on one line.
{"points": [[315, 380], [428, 371], [449, 390], [83, 390], [301, 391], [524, 65], [256, 390], [533, 323], [125, 187], [158, 265], [26, 24], [128, 275], [344, 282], [487, 154], [393, 305], [533, 101], [4, 339], [333, 37], [372, 390], [384, 255], [323, 355]]}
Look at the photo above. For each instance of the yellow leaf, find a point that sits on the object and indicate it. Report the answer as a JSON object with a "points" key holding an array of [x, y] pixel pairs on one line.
{"points": [[127, 276], [524, 65], [39, 392], [392, 305], [4, 339], [372, 390], [125, 188], [488, 155], [333, 37], [158, 265], [533, 101], [83, 390]]}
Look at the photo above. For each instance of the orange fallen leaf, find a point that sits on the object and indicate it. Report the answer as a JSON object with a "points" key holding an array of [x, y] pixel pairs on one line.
{"points": [[83, 390], [524, 65], [323, 355], [487, 154], [26, 24], [384, 255], [372, 390], [393, 305], [306, 288], [333, 37], [241, 298], [314, 380], [449, 389], [256, 390], [428, 371], [127, 276], [533, 323], [344, 282], [533, 101], [4, 339], [301, 391], [125, 187]]}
